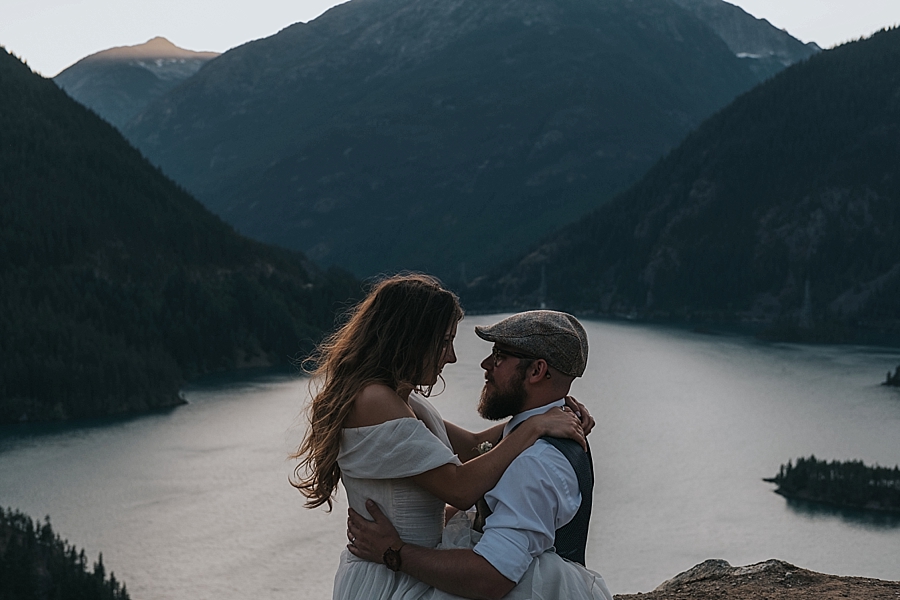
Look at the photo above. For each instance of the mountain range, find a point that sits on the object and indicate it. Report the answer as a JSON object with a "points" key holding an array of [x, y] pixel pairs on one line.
{"points": [[120, 82], [782, 210], [447, 135], [117, 286]]}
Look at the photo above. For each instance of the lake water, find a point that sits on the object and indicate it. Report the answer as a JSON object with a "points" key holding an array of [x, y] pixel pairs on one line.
{"points": [[195, 504]]}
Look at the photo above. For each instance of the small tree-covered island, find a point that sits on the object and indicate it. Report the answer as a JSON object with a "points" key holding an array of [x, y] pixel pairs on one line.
{"points": [[849, 484]]}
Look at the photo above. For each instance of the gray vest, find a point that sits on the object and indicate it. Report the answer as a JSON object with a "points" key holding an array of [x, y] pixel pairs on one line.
{"points": [[571, 538]]}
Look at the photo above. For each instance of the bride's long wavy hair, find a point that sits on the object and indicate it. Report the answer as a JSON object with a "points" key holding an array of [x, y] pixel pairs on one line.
{"points": [[395, 337]]}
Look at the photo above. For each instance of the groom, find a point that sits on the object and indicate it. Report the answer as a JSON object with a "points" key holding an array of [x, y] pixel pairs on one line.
{"points": [[543, 499]]}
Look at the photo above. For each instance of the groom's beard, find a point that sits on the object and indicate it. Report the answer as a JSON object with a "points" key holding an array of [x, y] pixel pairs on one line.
{"points": [[499, 404]]}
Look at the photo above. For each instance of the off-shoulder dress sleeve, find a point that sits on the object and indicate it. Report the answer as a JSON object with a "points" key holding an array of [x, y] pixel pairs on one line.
{"points": [[392, 450]]}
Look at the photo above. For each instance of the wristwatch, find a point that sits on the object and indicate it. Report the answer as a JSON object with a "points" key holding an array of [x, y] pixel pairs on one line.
{"points": [[391, 557]]}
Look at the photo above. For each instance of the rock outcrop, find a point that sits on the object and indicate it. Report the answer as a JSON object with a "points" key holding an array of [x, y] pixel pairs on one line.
{"points": [[772, 580]]}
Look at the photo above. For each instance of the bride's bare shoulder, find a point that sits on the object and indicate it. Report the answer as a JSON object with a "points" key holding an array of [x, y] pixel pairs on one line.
{"points": [[375, 404]]}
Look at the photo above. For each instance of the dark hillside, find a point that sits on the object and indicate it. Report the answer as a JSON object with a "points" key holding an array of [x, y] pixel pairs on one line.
{"points": [[431, 134], [35, 564], [782, 209], [116, 284]]}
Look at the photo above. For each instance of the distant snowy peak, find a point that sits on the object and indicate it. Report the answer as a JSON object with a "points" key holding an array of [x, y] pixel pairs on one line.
{"points": [[161, 57], [120, 82], [171, 68], [158, 48]]}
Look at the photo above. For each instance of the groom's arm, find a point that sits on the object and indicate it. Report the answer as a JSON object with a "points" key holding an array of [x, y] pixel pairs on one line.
{"points": [[457, 571]]}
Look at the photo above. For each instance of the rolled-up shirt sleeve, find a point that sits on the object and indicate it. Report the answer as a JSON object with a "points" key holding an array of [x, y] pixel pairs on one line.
{"points": [[537, 495]]}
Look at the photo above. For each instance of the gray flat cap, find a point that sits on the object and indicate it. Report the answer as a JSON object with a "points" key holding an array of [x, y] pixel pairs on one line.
{"points": [[557, 337]]}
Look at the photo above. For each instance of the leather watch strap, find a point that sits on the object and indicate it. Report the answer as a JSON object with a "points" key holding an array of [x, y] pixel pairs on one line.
{"points": [[391, 557]]}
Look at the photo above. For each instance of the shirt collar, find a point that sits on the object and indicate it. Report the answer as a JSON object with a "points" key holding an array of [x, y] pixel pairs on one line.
{"points": [[519, 418]]}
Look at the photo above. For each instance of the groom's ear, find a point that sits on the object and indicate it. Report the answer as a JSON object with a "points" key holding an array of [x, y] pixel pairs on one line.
{"points": [[538, 371]]}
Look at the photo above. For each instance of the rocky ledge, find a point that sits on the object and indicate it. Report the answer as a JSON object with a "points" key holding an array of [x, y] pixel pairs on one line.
{"points": [[771, 580]]}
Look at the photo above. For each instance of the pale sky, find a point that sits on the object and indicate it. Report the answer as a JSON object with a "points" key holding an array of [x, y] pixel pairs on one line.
{"points": [[53, 34]]}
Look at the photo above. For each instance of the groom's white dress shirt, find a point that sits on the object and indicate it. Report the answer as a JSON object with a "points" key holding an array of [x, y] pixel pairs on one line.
{"points": [[537, 495]]}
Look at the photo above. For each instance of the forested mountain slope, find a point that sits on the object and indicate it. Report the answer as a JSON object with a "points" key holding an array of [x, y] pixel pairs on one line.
{"points": [[116, 284], [432, 134], [784, 208]]}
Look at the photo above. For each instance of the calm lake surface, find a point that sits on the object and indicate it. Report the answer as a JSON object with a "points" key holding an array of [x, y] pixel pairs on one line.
{"points": [[194, 503]]}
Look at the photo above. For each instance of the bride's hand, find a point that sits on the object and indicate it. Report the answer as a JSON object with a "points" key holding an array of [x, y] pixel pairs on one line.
{"points": [[561, 423], [581, 411]]}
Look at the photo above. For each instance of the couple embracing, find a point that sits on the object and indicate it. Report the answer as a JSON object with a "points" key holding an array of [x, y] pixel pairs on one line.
{"points": [[411, 477]]}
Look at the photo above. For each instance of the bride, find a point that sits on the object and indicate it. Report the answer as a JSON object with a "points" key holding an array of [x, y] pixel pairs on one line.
{"points": [[371, 427]]}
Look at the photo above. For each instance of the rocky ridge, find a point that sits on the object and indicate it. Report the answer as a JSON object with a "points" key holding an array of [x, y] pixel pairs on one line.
{"points": [[772, 580], [765, 48]]}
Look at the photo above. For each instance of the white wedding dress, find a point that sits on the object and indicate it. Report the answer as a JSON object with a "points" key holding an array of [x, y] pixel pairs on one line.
{"points": [[376, 463]]}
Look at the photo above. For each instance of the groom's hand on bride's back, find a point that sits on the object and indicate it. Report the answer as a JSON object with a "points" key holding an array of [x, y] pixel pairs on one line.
{"points": [[456, 570], [369, 539]]}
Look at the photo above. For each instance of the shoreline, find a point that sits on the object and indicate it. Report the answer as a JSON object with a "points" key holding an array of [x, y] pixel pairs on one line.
{"points": [[35, 414], [890, 510]]}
